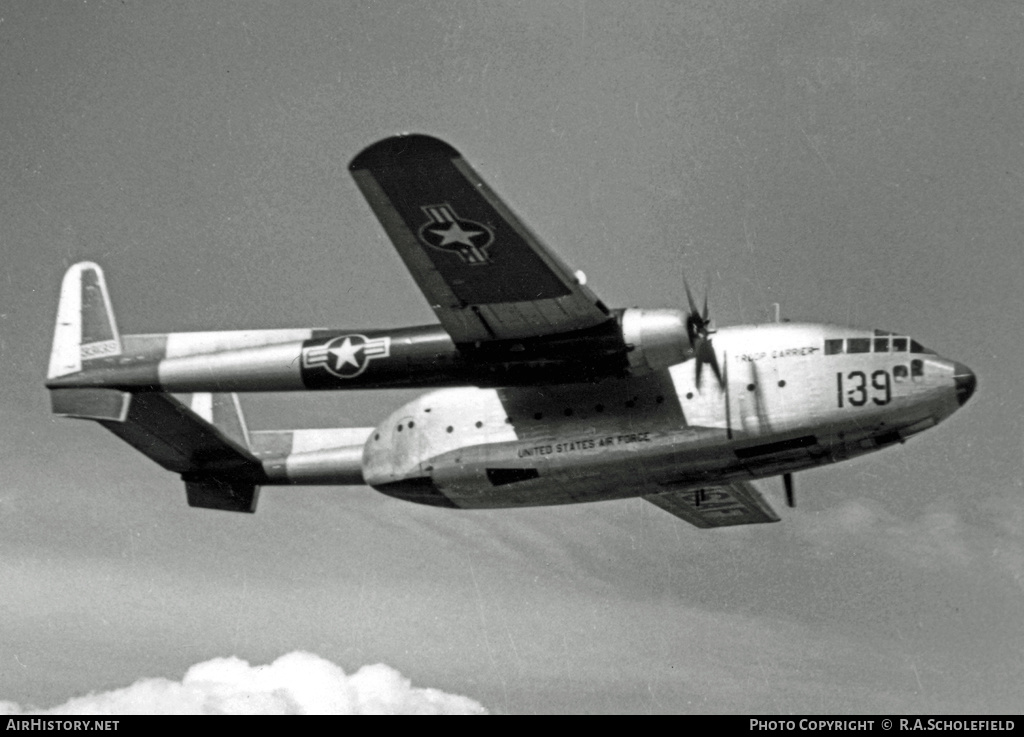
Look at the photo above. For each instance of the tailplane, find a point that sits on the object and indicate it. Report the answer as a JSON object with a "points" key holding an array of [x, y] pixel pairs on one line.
{"points": [[97, 374], [86, 329], [207, 444]]}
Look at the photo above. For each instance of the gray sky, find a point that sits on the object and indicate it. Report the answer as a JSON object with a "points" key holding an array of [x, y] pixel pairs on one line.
{"points": [[859, 162]]}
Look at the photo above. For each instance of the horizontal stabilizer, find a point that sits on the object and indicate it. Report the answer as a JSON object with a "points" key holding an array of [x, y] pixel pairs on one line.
{"points": [[91, 404], [220, 471]]}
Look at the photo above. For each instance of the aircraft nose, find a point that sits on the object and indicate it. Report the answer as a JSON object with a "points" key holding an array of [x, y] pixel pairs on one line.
{"points": [[966, 382]]}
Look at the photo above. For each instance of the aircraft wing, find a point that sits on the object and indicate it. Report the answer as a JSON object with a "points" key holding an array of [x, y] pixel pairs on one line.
{"points": [[486, 275], [738, 503]]}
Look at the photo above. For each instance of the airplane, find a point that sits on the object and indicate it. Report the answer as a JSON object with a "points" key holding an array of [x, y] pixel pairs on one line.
{"points": [[540, 393]]}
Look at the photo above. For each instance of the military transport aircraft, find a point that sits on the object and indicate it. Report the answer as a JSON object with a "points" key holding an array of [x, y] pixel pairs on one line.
{"points": [[541, 394]]}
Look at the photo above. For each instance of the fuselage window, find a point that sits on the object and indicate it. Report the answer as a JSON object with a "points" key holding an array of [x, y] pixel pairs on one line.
{"points": [[917, 367], [900, 373], [833, 347], [881, 345], [858, 345], [899, 344]]}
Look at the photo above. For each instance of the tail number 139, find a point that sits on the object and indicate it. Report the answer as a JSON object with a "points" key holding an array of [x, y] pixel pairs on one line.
{"points": [[854, 389]]}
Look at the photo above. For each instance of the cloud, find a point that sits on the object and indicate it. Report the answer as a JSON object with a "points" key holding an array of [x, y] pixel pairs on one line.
{"points": [[1006, 510], [297, 683], [934, 539], [985, 524]]}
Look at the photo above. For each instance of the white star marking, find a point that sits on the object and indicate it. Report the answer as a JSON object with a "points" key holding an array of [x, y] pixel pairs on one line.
{"points": [[455, 234], [345, 354]]}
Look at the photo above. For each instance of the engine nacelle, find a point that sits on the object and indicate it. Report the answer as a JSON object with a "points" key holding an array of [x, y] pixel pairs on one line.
{"points": [[657, 338]]}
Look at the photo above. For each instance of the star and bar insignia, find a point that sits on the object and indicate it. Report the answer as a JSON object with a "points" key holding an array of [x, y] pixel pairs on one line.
{"points": [[346, 356], [446, 231]]}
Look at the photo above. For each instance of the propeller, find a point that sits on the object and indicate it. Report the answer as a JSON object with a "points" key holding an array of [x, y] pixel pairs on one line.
{"points": [[787, 481], [699, 332]]}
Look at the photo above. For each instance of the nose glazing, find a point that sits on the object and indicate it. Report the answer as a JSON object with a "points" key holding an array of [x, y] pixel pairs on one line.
{"points": [[966, 382]]}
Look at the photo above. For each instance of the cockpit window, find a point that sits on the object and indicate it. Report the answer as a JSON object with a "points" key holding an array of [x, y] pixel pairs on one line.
{"points": [[877, 344]]}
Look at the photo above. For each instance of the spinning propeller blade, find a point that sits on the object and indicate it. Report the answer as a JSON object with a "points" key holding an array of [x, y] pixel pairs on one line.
{"points": [[699, 333]]}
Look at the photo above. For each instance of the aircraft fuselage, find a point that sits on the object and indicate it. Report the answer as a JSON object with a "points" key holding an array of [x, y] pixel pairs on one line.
{"points": [[786, 405]]}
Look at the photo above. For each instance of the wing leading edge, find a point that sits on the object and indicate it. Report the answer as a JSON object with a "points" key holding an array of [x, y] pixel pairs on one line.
{"points": [[738, 503], [486, 275]]}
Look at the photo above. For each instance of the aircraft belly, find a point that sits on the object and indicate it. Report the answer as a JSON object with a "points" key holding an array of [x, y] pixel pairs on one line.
{"points": [[578, 469], [617, 438]]}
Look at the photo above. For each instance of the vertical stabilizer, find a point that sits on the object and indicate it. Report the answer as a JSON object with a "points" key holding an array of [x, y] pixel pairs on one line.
{"points": [[85, 329], [223, 411]]}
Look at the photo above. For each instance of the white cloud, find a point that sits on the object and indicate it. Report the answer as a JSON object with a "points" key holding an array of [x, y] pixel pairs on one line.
{"points": [[297, 683], [935, 538]]}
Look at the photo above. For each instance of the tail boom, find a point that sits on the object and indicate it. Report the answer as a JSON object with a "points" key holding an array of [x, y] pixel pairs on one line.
{"points": [[89, 352]]}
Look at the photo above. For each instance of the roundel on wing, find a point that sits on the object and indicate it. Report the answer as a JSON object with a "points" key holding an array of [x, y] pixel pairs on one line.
{"points": [[446, 231]]}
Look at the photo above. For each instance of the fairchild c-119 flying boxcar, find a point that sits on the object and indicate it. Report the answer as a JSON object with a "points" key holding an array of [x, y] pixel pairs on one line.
{"points": [[541, 394]]}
